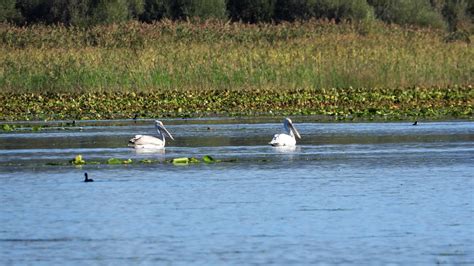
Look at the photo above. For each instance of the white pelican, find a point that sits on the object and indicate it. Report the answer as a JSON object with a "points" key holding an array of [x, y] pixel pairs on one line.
{"points": [[288, 137], [150, 142]]}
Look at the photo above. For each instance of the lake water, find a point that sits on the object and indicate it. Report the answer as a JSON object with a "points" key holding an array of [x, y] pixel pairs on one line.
{"points": [[350, 193]]}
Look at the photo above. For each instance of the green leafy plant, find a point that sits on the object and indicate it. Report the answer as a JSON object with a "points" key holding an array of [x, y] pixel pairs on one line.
{"points": [[180, 161], [114, 161], [78, 160], [209, 159], [7, 127]]}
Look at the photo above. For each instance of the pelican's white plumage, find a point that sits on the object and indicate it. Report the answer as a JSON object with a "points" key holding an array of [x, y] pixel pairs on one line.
{"points": [[287, 138], [151, 142]]}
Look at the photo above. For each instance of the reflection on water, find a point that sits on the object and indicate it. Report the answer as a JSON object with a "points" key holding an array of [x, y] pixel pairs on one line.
{"points": [[286, 149], [366, 193], [149, 151]]}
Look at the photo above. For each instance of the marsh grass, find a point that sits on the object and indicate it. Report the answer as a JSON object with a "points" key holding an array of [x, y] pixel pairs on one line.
{"points": [[192, 69], [213, 55]]}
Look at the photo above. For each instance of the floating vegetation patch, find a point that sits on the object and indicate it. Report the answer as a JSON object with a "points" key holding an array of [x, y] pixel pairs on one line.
{"points": [[119, 161], [193, 160], [79, 160], [188, 160], [339, 103], [209, 159], [36, 128], [7, 127], [180, 161]]}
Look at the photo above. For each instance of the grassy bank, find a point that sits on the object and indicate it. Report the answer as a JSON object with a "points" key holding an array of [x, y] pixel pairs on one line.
{"points": [[182, 69]]}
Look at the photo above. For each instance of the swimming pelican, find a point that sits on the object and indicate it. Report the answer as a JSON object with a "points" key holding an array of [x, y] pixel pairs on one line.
{"points": [[150, 142], [288, 137]]}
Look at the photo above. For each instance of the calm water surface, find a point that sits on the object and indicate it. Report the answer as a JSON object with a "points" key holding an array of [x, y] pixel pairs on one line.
{"points": [[362, 193]]}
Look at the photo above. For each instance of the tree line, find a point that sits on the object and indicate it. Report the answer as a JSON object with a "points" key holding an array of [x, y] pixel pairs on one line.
{"points": [[451, 14]]}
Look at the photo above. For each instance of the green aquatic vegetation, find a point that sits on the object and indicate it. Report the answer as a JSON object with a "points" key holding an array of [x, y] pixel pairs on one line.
{"points": [[78, 160], [184, 160], [7, 127], [194, 160], [339, 103], [188, 160], [209, 159], [114, 161], [36, 128], [180, 161]]}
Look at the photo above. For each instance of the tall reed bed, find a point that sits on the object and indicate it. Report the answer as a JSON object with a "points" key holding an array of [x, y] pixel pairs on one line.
{"points": [[217, 55]]}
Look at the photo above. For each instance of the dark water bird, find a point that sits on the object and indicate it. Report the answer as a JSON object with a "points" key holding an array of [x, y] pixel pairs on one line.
{"points": [[87, 179], [415, 124], [135, 118]]}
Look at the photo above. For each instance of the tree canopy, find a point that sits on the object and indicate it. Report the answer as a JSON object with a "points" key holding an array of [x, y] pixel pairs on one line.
{"points": [[450, 14]]}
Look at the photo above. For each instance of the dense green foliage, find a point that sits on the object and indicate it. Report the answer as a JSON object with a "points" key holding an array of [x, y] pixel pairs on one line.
{"points": [[418, 12], [378, 103], [433, 13]]}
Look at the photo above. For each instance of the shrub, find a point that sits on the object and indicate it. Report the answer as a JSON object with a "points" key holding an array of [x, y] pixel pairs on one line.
{"points": [[8, 12], [251, 10], [71, 12], [205, 9], [417, 12], [340, 10], [155, 10], [34, 11], [135, 8], [79, 12], [456, 14], [291, 10], [110, 11]]}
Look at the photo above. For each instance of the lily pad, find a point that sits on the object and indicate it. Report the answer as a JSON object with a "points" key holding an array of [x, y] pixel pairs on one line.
{"points": [[78, 160], [146, 161], [7, 127], [209, 159], [180, 161], [114, 161], [194, 160], [36, 128]]}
